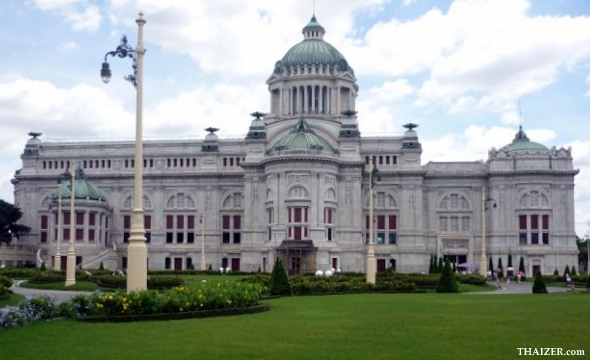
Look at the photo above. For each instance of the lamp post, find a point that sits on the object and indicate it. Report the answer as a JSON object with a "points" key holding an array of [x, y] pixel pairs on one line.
{"points": [[374, 175], [483, 263], [71, 259], [137, 249], [57, 259], [203, 260]]}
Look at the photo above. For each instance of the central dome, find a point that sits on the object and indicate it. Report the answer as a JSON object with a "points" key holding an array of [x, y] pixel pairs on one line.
{"points": [[303, 138], [313, 50]]}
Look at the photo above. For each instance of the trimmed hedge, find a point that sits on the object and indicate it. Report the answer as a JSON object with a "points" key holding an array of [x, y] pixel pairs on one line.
{"points": [[178, 315]]}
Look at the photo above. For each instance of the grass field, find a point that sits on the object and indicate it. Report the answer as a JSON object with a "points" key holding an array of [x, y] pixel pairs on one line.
{"points": [[368, 326]]}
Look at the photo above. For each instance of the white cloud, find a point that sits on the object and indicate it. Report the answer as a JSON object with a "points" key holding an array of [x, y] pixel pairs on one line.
{"points": [[81, 15], [69, 46]]}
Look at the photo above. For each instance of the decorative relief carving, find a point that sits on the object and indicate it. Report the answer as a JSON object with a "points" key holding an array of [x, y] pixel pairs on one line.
{"points": [[301, 178], [451, 244]]}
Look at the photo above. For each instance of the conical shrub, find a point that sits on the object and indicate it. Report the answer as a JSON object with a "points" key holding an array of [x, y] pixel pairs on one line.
{"points": [[279, 281], [447, 282], [539, 284]]}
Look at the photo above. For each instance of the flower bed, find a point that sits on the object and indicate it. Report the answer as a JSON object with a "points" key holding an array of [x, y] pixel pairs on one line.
{"points": [[202, 300]]}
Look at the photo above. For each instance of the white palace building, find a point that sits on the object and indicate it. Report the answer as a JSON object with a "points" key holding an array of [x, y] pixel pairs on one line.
{"points": [[297, 186]]}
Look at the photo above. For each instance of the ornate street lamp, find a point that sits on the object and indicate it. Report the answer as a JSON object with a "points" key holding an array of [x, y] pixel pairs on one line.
{"points": [[137, 249], [374, 175], [483, 262], [71, 259]]}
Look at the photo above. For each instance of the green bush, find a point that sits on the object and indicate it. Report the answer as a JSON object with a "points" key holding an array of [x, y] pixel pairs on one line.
{"points": [[279, 282], [473, 279], [3, 290], [7, 282], [539, 285], [19, 272], [48, 276], [447, 282]]}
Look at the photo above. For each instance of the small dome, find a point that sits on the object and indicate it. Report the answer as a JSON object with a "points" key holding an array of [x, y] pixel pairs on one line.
{"points": [[84, 189], [313, 50], [521, 142], [303, 138]]}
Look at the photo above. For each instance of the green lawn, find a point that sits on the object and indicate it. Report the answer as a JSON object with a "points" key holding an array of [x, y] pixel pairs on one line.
{"points": [[368, 326], [13, 300]]}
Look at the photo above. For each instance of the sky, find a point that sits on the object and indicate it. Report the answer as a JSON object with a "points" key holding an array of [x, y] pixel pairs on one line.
{"points": [[469, 72]]}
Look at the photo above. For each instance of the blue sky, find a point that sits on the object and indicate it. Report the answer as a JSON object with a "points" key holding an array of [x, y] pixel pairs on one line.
{"points": [[469, 72]]}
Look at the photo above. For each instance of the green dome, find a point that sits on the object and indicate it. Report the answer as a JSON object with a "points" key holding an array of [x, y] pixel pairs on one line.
{"points": [[303, 138], [84, 189], [521, 142], [313, 50]]}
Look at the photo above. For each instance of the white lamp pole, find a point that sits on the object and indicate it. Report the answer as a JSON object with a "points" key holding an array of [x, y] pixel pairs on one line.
{"points": [[371, 266], [137, 249], [203, 260], [57, 260], [71, 260], [483, 262]]}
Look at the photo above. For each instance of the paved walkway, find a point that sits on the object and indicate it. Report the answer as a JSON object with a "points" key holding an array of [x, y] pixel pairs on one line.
{"points": [[59, 296], [517, 288]]}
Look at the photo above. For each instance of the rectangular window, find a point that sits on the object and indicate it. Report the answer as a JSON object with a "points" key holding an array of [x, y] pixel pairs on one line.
{"points": [[522, 222], [534, 221], [380, 222], [545, 222], [169, 237], [443, 223], [237, 222], [79, 234], [237, 238], [225, 222], [225, 238], [380, 238], [545, 238], [392, 222], [179, 237], [454, 223], [43, 236], [392, 238], [190, 238], [147, 222], [329, 233], [169, 222], [92, 219], [180, 222], [127, 222], [190, 222], [522, 238], [167, 263], [90, 234], [44, 221], [534, 238]]}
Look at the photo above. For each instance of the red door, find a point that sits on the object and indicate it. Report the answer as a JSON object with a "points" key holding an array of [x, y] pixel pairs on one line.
{"points": [[178, 263], [380, 265], [235, 264]]}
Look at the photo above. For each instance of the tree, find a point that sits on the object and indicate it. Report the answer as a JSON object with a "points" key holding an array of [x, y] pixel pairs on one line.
{"points": [[509, 260], [9, 216], [567, 270], [521, 268], [447, 282], [573, 273], [539, 284], [431, 266], [491, 265], [279, 282], [439, 269], [500, 268]]}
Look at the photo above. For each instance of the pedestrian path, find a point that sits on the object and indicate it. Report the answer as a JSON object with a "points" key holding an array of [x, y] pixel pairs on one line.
{"points": [[517, 288], [58, 295]]}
